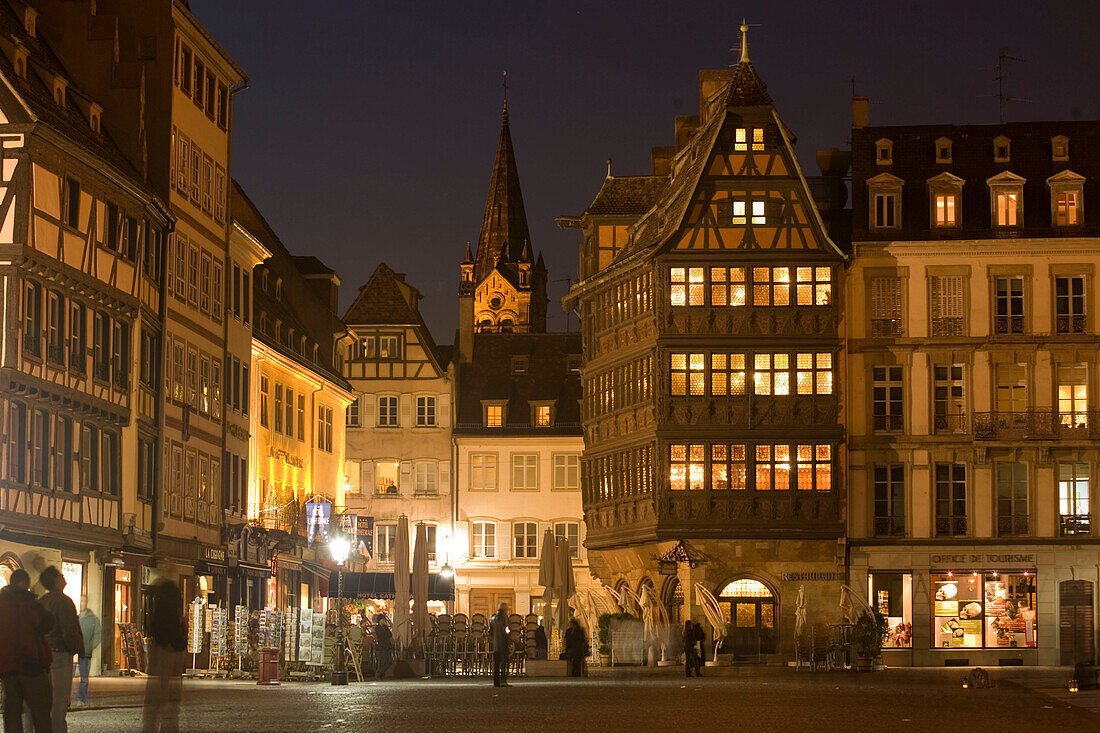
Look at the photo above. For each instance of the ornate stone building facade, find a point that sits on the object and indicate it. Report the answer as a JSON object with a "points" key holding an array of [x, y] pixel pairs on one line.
{"points": [[709, 294]]}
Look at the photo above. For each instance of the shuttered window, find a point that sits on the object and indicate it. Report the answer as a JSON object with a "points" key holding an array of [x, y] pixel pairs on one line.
{"points": [[947, 306]]}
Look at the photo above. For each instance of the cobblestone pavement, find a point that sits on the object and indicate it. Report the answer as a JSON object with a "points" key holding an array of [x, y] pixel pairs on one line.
{"points": [[755, 700]]}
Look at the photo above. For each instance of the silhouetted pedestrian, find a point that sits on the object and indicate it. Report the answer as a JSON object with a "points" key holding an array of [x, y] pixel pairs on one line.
{"points": [[576, 647], [498, 633], [691, 637], [383, 645], [66, 640], [25, 656], [92, 631], [167, 628]]}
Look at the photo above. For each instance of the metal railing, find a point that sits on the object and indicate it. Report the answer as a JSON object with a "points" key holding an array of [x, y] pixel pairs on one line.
{"points": [[1070, 324], [1012, 525], [888, 423], [951, 326], [886, 327], [950, 526], [1036, 424], [1075, 524], [951, 423], [889, 526], [1008, 325]]}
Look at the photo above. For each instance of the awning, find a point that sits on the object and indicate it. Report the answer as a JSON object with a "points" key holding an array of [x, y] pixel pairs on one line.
{"points": [[380, 585], [253, 570]]}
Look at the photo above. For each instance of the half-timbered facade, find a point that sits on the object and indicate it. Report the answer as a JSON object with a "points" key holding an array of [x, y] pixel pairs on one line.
{"points": [[81, 249], [708, 295], [399, 427], [973, 425]]}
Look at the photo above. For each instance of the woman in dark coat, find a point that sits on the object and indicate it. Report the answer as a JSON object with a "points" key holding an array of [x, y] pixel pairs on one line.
{"points": [[691, 638], [383, 645], [576, 647]]}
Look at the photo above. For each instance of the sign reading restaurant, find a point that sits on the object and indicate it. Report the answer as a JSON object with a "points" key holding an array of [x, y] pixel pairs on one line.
{"points": [[992, 558], [798, 577]]}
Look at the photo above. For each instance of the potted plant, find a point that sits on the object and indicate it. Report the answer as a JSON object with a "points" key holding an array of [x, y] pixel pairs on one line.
{"points": [[867, 635], [603, 635]]}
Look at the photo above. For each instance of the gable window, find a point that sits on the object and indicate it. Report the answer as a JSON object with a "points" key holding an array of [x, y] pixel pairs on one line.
{"points": [[571, 533], [746, 138], [943, 150], [887, 399], [1002, 149], [484, 540], [483, 471], [525, 536], [948, 314], [1006, 191], [889, 486], [542, 416], [753, 211], [950, 499], [425, 412], [1009, 306], [567, 469], [771, 286], [519, 365], [1065, 208], [1066, 192], [886, 306], [1069, 304], [1006, 207], [525, 471], [389, 347], [387, 412], [943, 208], [884, 152], [494, 416]]}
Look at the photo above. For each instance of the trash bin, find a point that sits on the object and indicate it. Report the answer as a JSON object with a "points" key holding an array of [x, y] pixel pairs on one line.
{"points": [[269, 666]]}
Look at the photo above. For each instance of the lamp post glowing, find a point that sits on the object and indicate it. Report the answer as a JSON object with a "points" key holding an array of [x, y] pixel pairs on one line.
{"points": [[339, 547]]}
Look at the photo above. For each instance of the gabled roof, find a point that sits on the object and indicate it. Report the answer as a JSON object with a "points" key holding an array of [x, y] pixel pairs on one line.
{"points": [[746, 89], [627, 195], [381, 301], [504, 225]]}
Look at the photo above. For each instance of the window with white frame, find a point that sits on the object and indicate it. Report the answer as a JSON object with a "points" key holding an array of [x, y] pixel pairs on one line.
{"points": [[483, 471], [494, 416], [567, 470], [387, 412], [425, 412], [525, 538], [525, 471], [1066, 191], [425, 474], [948, 311], [354, 413], [884, 200], [385, 542], [484, 538], [571, 532], [389, 347]]}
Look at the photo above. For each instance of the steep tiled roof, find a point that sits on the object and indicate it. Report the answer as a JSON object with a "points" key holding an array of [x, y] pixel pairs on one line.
{"points": [[627, 195], [310, 265], [504, 225], [380, 301], [746, 88], [546, 378]]}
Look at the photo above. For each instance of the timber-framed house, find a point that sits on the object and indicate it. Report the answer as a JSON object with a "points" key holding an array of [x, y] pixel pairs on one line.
{"points": [[708, 295]]}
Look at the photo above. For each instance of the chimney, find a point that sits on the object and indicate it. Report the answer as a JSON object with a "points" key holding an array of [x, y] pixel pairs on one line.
{"points": [[861, 112], [660, 159], [466, 323]]}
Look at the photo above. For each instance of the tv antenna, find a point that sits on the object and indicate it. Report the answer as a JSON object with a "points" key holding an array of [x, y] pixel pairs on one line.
{"points": [[742, 48], [568, 314], [1000, 72]]}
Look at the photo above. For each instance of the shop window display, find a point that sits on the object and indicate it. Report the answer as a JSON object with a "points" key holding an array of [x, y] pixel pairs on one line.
{"points": [[892, 595], [990, 610]]}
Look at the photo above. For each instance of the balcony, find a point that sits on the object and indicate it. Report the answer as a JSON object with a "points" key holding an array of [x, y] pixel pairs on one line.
{"points": [[888, 423], [885, 327], [1074, 524], [950, 326], [950, 526], [951, 423], [1037, 424], [889, 527], [1070, 324], [289, 518], [1008, 325], [1012, 525]]}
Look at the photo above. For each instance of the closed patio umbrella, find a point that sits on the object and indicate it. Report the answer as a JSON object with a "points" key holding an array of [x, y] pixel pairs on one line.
{"points": [[401, 629], [421, 622], [546, 576], [565, 583]]}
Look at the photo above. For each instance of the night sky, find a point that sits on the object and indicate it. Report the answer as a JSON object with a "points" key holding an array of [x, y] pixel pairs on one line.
{"points": [[369, 128]]}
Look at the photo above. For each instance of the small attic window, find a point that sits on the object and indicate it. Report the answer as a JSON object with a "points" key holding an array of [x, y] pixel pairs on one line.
{"points": [[278, 287], [1002, 149], [95, 113], [30, 21], [59, 91], [573, 363], [884, 152], [943, 150], [19, 60], [519, 365], [1059, 148]]}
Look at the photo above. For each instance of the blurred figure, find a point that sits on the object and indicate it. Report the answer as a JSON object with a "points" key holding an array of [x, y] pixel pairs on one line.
{"points": [[24, 656], [93, 635], [167, 628], [576, 647], [498, 632], [383, 645], [66, 641], [542, 644], [691, 638]]}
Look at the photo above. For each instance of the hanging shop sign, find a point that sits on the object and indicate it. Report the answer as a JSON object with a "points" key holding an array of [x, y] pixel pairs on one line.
{"points": [[348, 525], [318, 515], [365, 533]]}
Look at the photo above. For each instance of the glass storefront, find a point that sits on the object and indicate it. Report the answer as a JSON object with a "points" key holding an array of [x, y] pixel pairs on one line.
{"points": [[983, 610], [892, 595]]}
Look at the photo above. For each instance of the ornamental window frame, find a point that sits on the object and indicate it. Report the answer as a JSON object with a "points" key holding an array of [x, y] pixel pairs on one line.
{"points": [[884, 151], [884, 197], [1067, 191], [1002, 149], [1006, 200], [944, 199], [1059, 149], [944, 149]]}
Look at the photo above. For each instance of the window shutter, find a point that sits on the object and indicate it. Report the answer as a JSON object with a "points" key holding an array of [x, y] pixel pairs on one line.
{"points": [[725, 212], [405, 402], [406, 478], [369, 405], [366, 476], [444, 477], [443, 404]]}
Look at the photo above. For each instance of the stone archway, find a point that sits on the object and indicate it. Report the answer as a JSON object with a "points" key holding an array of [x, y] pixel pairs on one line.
{"points": [[672, 595], [751, 608]]}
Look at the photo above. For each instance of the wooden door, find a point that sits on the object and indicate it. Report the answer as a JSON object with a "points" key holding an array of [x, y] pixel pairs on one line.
{"points": [[487, 600], [1075, 622]]}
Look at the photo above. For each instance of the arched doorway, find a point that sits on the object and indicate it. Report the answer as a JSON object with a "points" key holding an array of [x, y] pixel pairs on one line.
{"points": [[750, 609], [672, 595]]}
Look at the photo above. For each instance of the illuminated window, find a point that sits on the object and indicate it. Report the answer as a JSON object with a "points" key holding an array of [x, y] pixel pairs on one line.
{"points": [[815, 467], [813, 285], [771, 374], [696, 286], [1005, 207], [739, 215], [1073, 395], [678, 286], [525, 471], [773, 467], [1065, 208], [727, 467], [944, 209], [525, 535], [483, 471], [494, 416], [1073, 498], [727, 374], [727, 286], [686, 467], [741, 139], [758, 138], [771, 286], [686, 373], [567, 471], [542, 416], [814, 373], [745, 588], [758, 215]]}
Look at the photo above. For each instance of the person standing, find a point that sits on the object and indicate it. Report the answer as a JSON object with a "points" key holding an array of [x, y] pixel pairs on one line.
{"points": [[167, 629], [25, 656], [93, 634], [66, 641], [576, 647], [498, 632], [691, 638], [383, 645], [700, 646]]}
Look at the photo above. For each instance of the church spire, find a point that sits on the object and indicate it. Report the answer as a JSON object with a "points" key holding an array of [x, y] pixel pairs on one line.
{"points": [[504, 226]]}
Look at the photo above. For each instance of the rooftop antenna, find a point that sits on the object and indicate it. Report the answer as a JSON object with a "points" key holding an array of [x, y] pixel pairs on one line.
{"points": [[743, 48], [999, 74], [568, 314]]}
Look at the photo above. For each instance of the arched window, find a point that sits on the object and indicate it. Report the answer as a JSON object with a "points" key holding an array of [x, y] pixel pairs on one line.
{"points": [[745, 588]]}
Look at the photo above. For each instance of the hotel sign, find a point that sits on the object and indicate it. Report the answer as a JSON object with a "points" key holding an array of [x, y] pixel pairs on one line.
{"points": [[288, 458], [985, 558]]}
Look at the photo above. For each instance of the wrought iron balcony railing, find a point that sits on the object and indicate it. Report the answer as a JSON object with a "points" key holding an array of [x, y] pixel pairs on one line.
{"points": [[888, 423], [1037, 424], [886, 327], [1011, 525], [889, 526], [1070, 324], [950, 526], [950, 326], [951, 423], [1008, 325]]}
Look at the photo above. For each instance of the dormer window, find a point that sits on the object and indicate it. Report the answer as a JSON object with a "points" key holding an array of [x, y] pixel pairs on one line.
{"points": [[945, 193], [494, 414], [30, 21], [95, 114], [19, 60], [59, 91], [884, 192], [943, 150], [1006, 194], [278, 287], [542, 415], [1066, 192], [519, 365], [573, 363], [1059, 148], [884, 152], [748, 138], [1002, 149]]}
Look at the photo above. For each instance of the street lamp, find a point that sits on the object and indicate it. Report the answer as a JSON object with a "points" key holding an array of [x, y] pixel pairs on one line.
{"points": [[339, 546]]}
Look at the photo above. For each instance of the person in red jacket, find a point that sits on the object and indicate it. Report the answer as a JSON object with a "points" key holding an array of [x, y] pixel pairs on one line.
{"points": [[25, 656]]}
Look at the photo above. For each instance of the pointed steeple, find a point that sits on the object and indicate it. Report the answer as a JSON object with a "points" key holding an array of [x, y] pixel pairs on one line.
{"points": [[746, 88], [525, 255], [469, 258], [504, 226]]}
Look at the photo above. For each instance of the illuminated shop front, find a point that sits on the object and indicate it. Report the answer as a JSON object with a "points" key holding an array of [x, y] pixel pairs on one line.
{"points": [[988, 610]]}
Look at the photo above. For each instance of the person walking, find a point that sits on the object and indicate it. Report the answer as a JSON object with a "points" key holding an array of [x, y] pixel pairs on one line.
{"points": [[167, 629], [383, 645], [93, 634], [576, 647], [691, 637], [25, 656], [498, 633], [700, 647], [66, 641]]}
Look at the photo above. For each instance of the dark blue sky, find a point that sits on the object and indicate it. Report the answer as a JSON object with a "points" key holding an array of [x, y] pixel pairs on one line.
{"points": [[369, 128]]}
